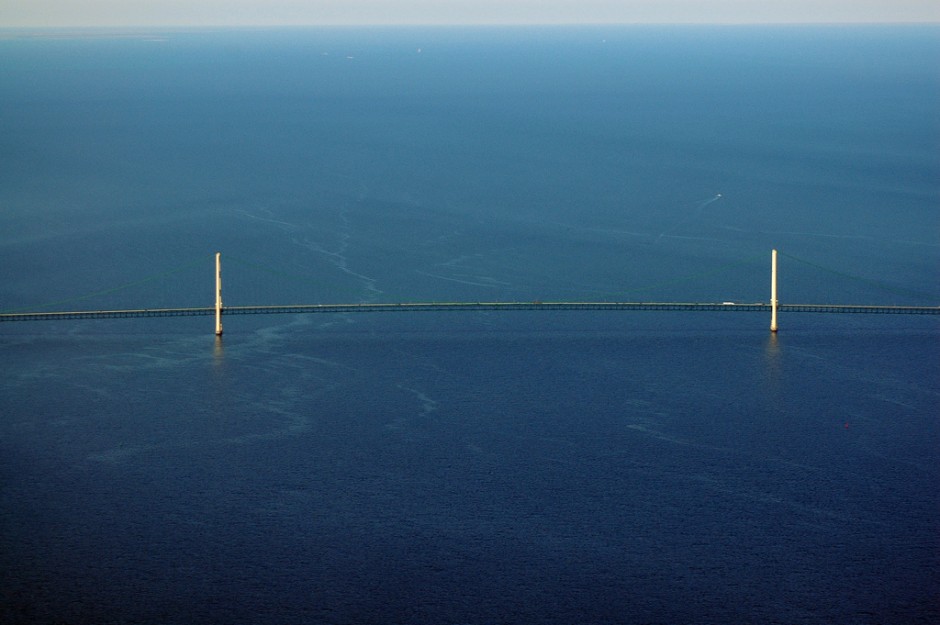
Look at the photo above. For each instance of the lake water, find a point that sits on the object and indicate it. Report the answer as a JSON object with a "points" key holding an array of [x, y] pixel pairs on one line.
{"points": [[524, 467]]}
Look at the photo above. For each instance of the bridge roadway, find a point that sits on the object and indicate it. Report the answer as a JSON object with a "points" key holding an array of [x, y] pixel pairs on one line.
{"points": [[471, 307]]}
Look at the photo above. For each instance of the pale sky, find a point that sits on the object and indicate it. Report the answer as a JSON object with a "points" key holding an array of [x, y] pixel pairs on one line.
{"points": [[70, 13]]}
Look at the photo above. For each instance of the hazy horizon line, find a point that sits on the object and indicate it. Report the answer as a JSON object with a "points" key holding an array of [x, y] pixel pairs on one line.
{"points": [[140, 26]]}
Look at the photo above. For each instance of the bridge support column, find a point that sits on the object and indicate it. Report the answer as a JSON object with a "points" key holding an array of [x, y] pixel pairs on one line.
{"points": [[218, 294], [773, 291]]}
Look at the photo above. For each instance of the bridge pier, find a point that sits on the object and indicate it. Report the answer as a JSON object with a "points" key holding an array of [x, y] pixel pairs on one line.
{"points": [[218, 293], [773, 291]]}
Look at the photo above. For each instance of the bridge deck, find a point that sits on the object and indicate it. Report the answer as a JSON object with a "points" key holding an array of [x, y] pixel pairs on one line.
{"points": [[469, 306]]}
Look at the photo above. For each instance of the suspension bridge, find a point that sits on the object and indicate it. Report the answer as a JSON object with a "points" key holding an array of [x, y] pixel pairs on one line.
{"points": [[773, 307]]}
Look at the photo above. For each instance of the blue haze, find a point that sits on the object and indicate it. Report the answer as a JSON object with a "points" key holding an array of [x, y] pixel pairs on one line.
{"points": [[470, 468]]}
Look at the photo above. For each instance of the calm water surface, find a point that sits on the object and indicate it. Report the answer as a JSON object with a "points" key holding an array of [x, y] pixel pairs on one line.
{"points": [[470, 468]]}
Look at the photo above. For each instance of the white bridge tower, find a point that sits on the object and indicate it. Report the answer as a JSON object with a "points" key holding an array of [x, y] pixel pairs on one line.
{"points": [[773, 291], [218, 293]]}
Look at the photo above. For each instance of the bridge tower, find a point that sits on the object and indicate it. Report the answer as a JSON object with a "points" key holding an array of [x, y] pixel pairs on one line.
{"points": [[773, 291], [218, 293]]}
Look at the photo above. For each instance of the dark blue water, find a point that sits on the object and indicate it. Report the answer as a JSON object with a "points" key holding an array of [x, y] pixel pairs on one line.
{"points": [[470, 468]]}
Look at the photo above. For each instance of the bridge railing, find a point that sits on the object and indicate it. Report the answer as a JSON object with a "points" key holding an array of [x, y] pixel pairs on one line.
{"points": [[470, 307]]}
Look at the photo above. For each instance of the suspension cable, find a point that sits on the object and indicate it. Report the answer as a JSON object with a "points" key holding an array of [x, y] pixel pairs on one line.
{"points": [[151, 278], [868, 281]]}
